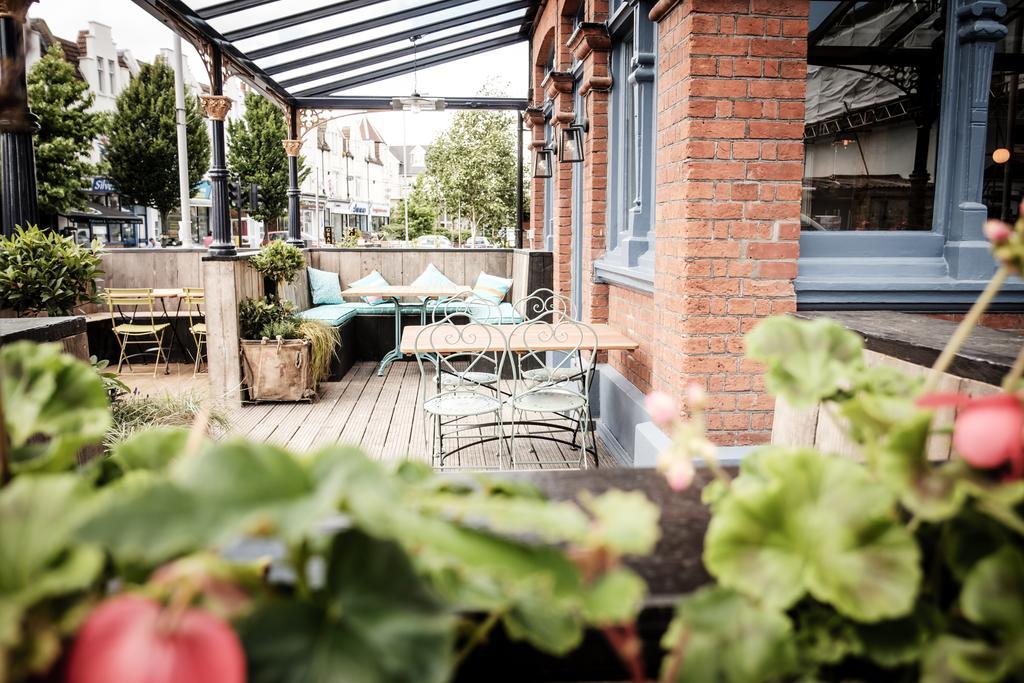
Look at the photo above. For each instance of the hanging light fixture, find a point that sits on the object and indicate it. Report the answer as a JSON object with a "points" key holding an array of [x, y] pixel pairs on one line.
{"points": [[571, 149], [416, 102], [543, 162]]}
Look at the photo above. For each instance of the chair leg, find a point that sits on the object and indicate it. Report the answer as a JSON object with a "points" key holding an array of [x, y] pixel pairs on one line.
{"points": [[159, 350], [512, 442], [199, 356]]}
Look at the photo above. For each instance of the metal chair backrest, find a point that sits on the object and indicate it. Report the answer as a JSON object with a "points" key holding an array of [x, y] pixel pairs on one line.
{"points": [[129, 304], [468, 305], [566, 348], [194, 300], [459, 350], [543, 304]]}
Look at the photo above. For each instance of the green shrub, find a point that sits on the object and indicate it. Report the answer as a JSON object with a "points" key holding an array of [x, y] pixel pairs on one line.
{"points": [[254, 315], [285, 329], [325, 340], [279, 261], [40, 271]]}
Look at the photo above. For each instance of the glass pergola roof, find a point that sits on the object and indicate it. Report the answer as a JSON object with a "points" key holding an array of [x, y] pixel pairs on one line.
{"points": [[306, 51]]}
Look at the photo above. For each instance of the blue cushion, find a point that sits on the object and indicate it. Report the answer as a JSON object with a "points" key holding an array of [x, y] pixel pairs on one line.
{"points": [[374, 279], [502, 314], [325, 287], [431, 278], [492, 288], [331, 314]]}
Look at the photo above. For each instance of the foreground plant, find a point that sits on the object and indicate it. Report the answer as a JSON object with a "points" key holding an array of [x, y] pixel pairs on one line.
{"points": [[143, 558], [894, 569], [44, 272]]}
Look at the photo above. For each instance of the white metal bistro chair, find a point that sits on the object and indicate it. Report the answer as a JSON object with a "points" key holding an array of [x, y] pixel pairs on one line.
{"points": [[453, 358], [549, 306], [469, 308], [563, 396]]}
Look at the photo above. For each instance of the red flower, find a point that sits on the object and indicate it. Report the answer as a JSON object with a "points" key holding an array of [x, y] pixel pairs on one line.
{"points": [[988, 431]]}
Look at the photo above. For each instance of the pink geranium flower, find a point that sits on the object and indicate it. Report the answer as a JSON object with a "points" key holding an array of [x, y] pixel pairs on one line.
{"points": [[996, 231], [679, 474], [988, 431], [662, 408]]}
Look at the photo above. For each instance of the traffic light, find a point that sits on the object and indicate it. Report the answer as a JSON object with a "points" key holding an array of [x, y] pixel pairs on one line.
{"points": [[234, 195], [255, 197]]}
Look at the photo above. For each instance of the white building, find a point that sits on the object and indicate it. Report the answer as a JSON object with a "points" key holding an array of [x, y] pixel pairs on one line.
{"points": [[352, 180]]}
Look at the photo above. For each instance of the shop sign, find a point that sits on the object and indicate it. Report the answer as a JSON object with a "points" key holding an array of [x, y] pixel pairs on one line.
{"points": [[101, 184]]}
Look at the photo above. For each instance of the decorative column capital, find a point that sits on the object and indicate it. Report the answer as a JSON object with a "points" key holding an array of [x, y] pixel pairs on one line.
{"points": [[215, 107], [292, 147], [534, 116], [981, 21], [15, 8]]}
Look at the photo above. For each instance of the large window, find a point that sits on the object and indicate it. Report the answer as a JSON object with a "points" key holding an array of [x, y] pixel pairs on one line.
{"points": [[631, 137], [898, 176]]}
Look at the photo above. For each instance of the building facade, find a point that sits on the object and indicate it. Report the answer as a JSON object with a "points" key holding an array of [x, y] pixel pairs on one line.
{"points": [[352, 180], [745, 158]]}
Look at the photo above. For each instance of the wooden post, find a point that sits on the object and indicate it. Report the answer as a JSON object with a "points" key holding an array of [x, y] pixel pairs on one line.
{"points": [[222, 347]]}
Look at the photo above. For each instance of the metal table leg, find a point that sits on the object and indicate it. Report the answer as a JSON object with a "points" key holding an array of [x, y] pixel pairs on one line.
{"points": [[395, 353], [174, 333]]}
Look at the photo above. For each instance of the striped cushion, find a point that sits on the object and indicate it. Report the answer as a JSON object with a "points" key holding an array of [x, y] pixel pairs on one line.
{"points": [[374, 279], [491, 288]]}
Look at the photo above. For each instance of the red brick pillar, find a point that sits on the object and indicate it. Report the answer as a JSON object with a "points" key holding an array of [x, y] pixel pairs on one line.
{"points": [[534, 238], [558, 90], [729, 166]]}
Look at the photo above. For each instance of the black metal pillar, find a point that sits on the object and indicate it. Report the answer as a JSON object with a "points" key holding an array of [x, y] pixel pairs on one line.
{"points": [[216, 107], [519, 180], [18, 200], [292, 147]]}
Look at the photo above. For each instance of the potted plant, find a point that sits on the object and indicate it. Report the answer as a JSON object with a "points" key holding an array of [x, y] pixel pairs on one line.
{"points": [[43, 272], [279, 262], [284, 358]]}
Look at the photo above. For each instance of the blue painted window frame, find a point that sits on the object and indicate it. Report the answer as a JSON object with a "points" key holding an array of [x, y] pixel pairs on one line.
{"points": [[629, 256], [946, 267]]}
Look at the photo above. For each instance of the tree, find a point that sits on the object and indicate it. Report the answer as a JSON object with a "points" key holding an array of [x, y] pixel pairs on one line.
{"points": [[67, 128], [143, 146], [422, 214], [256, 155], [473, 166]]}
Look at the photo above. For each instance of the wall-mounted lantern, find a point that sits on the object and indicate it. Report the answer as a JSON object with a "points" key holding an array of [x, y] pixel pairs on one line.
{"points": [[571, 150], [543, 162]]}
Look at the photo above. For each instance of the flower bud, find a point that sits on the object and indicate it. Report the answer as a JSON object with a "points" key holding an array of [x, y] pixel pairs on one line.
{"points": [[679, 474], [696, 397], [662, 408], [996, 232]]}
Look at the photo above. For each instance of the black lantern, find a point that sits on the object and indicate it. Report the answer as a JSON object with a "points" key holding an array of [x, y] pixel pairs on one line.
{"points": [[571, 150], [543, 161]]}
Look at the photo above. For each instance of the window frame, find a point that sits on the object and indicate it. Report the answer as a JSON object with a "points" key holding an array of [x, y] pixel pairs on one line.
{"points": [[943, 268], [632, 130]]}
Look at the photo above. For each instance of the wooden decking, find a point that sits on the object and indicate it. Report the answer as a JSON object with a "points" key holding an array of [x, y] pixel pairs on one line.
{"points": [[379, 414]]}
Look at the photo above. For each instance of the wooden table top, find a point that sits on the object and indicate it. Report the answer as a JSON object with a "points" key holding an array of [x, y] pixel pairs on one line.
{"points": [[401, 291], [608, 339], [168, 293]]}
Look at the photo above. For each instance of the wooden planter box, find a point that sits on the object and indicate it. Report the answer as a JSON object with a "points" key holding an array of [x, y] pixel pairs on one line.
{"points": [[277, 370]]}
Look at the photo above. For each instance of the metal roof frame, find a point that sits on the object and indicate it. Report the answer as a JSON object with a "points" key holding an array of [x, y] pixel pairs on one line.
{"points": [[195, 25]]}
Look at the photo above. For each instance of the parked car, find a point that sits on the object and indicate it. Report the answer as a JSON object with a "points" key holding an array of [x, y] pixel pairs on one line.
{"points": [[478, 242], [283, 235], [433, 242]]}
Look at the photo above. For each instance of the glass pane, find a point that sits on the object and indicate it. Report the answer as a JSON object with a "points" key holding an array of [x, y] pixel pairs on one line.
{"points": [[871, 123], [1004, 152]]}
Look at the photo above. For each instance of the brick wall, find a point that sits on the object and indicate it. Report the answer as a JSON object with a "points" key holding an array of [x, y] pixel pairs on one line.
{"points": [[729, 160]]}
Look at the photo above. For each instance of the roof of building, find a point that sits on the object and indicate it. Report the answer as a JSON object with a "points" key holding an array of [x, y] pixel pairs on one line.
{"points": [[399, 152], [368, 132], [71, 51]]}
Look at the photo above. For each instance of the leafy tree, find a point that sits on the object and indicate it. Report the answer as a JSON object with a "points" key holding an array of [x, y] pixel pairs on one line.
{"points": [[143, 146], [473, 166], [422, 214], [255, 155], [67, 128]]}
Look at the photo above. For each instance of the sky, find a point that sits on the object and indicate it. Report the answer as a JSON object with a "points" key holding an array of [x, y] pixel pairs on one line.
{"points": [[136, 30]]}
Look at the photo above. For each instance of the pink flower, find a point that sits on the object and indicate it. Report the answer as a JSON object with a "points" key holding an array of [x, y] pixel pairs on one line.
{"points": [[662, 408], [988, 432], [679, 474], [996, 232]]}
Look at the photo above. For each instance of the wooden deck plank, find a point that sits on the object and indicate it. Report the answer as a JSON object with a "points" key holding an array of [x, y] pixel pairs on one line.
{"points": [[380, 414]]}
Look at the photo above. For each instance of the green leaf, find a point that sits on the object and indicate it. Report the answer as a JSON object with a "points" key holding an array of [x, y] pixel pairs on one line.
{"points": [[38, 555], [956, 660], [152, 449], [376, 623], [543, 624], [795, 522], [727, 637], [614, 597], [993, 593], [546, 520], [625, 521], [53, 405], [807, 360]]}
